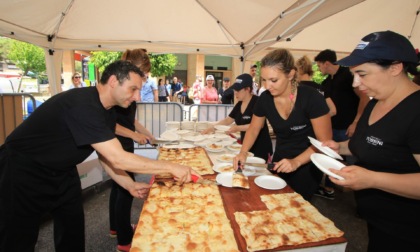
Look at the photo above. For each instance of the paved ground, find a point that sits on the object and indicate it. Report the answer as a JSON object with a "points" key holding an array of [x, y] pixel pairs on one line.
{"points": [[341, 211]]}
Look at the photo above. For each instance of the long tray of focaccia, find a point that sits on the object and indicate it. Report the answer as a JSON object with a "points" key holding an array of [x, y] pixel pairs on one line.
{"points": [[188, 217], [290, 220], [196, 157]]}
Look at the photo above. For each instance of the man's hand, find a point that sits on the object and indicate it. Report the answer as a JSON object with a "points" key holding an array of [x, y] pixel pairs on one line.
{"points": [[139, 190]]}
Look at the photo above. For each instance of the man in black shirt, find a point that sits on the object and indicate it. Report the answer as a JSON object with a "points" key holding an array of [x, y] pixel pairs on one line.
{"points": [[226, 92], [38, 160], [349, 101]]}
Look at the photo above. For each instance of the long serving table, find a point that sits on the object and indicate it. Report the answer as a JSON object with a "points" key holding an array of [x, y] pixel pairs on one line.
{"points": [[246, 200]]}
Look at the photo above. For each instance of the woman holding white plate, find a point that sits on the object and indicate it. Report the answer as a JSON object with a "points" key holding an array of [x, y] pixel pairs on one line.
{"points": [[295, 112], [242, 114], [386, 142]]}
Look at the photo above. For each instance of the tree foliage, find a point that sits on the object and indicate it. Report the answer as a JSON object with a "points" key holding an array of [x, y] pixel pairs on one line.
{"points": [[27, 57], [102, 59], [318, 77], [162, 64], [4, 48]]}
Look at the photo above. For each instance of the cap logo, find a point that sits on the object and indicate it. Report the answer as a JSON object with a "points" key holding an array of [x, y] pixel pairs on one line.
{"points": [[238, 81], [362, 45]]}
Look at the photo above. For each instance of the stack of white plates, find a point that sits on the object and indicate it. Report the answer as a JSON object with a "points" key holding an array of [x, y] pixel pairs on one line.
{"points": [[173, 125], [200, 126], [188, 125]]}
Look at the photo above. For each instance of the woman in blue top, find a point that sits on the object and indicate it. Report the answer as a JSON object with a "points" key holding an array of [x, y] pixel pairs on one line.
{"points": [[386, 142], [295, 112]]}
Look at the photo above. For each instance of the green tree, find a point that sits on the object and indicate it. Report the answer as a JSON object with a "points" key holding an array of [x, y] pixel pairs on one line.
{"points": [[4, 48], [27, 57], [102, 59], [318, 77], [162, 64]]}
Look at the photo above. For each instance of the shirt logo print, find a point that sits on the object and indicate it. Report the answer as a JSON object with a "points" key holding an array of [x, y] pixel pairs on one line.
{"points": [[246, 117], [374, 141], [298, 127]]}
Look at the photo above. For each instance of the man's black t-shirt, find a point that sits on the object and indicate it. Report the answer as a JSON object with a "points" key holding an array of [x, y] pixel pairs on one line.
{"points": [[125, 118], [227, 95], [262, 145], [59, 133], [292, 133], [313, 84], [339, 88]]}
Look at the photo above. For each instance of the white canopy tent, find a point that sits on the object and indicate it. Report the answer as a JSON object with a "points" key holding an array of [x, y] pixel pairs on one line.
{"points": [[342, 31], [237, 28]]}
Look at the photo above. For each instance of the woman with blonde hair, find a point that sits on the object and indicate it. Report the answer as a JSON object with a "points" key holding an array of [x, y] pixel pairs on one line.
{"points": [[295, 112]]}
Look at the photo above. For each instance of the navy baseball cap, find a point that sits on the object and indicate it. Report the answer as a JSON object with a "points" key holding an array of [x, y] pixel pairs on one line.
{"points": [[242, 81], [384, 45]]}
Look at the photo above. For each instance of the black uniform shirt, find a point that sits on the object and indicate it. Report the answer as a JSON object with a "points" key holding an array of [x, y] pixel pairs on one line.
{"points": [[59, 133], [292, 133], [262, 145]]}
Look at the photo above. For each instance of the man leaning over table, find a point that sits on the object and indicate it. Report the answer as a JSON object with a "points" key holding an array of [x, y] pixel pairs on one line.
{"points": [[38, 161]]}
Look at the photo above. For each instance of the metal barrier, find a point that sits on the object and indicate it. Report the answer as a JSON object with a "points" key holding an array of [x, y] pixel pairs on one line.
{"points": [[13, 110], [154, 115], [209, 112]]}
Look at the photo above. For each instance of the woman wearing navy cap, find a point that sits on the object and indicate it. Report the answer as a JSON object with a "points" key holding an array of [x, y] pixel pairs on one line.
{"points": [[386, 143]]}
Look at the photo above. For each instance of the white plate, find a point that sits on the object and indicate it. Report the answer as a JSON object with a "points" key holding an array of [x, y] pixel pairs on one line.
{"points": [[324, 162], [214, 147], [221, 136], [224, 179], [196, 138], [325, 149], [170, 135], [222, 127], [270, 182], [248, 171], [221, 167], [182, 132], [178, 146], [225, 158], [255, 160], [235, 147]]}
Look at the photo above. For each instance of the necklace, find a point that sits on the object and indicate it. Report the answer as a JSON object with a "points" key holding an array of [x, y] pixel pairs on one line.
{"points": [[291, 97]]}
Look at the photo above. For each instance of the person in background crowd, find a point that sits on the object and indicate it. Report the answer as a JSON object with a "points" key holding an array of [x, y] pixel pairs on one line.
{"points": [[261, 89], [197, 89], [149, 90], [45, 149], [162, 91], [76, 81], [242, 114], [304, 76], [226, 93], [386, 142], [176, 89], [210, 95], [253, 73], [349, 103], [127, 130], [295, 112], [168, 88]]}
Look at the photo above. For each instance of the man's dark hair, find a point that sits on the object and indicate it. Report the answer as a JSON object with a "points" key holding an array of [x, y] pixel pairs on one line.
{"points": [[326, 55], [121, 69]]}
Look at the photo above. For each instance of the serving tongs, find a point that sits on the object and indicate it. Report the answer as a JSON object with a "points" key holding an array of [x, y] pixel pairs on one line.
{"points": [[239, 179], [156, 142]]}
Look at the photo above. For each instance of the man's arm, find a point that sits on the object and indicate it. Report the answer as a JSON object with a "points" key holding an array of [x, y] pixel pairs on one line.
{"points": [[116, 157], [138, 190]]}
